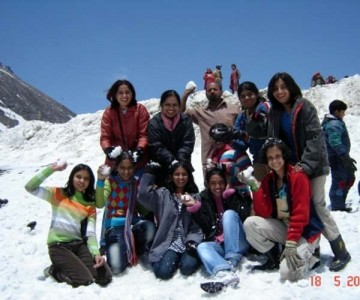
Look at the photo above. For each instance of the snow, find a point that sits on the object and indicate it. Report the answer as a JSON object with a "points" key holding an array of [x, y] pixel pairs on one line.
{"points": [[26, 148]]}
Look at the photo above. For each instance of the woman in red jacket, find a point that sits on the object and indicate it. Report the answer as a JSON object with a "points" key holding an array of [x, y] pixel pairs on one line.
{"points": [[124, 124], [285, 215]]}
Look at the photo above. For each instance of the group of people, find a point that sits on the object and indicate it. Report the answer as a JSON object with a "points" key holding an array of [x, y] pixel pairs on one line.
{"points": [[272, 203], [216, 75], [318, 79]]}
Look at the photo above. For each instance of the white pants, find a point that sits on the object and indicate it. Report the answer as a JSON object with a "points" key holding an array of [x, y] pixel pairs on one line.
{"points": [[262, 234]]}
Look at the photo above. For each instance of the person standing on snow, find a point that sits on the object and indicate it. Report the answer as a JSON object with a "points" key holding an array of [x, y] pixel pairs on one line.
{"points": [[338, 147], [234, 79]]}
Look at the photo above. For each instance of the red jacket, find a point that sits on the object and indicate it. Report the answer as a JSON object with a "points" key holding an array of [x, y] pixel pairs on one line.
{"points": [[301, 214], [134, 125]]}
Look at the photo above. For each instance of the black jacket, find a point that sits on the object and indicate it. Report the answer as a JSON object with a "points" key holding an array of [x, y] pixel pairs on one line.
{"points": [[207, 218], [165, 145]]}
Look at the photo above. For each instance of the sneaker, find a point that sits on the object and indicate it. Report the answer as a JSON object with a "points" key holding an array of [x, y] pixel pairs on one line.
{"points": [[340, 263], [221, 280]]}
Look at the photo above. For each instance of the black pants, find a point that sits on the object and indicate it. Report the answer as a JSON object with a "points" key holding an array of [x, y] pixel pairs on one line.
{"points": [[73, 263]]}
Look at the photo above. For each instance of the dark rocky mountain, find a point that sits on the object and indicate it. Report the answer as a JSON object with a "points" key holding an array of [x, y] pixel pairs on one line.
{"points": [[17, 98]]}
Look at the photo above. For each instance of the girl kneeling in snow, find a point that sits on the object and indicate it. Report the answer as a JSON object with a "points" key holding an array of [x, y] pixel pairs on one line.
{"points": [[284, 214], [126, 235], [177, 235], [72, 242]]}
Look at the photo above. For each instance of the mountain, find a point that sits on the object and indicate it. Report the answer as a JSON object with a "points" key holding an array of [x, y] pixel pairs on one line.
{"points": [[20, 101]]}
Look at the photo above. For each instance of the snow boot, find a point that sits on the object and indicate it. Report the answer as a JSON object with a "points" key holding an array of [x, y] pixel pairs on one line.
{"points": [[342, 256], [272, 263]]}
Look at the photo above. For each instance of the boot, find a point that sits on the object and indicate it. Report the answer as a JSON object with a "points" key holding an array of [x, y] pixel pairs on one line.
{"points": [[315, 260], [272, 263], [342, 256]]}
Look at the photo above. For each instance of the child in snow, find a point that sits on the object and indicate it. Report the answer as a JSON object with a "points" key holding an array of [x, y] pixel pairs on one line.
{"points": [[284, 214], [125, 234], [225, 158], [338, 147], [177, 235], [252, 120], [220, 214], [72, 242]]}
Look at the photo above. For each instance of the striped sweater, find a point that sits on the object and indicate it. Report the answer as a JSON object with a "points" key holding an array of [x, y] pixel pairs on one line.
{"points": [[67, 213]]}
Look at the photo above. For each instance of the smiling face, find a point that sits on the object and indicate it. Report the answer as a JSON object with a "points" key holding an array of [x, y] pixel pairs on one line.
{"points": [[281, 93], [275, 159], [124, 96], [180, 178], [170, 107], [248, 99], [125, 169], [81, 181], [217, 185]]}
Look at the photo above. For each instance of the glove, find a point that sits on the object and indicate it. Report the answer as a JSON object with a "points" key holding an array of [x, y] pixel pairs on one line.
{"points": [[102, 250], [247, 177], [240, 134], [293, 260], [191, 248], [152, 168], [182, 157], [349, 163], [108, 151], [259, 117], [138, 154]]}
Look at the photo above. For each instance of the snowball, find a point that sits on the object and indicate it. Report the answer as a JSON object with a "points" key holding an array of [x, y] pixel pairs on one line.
{"points": [[116, 152], [190, 84], [60, 162], [105, 170]]}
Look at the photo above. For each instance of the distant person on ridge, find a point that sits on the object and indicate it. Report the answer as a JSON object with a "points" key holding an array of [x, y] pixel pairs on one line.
{"points": [[338, 147], [218, 74], [317, 79], [208, 77], [234, 79], [216, 111]]}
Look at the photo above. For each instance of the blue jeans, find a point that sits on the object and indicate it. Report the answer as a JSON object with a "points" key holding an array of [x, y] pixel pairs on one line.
{"points": [[217, 257], [342, 180], [143, 231], [166, 267]]}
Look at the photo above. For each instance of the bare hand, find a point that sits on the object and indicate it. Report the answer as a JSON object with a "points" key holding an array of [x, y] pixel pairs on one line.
{"points": [[298, 168], [100, 173], [99, 261]]}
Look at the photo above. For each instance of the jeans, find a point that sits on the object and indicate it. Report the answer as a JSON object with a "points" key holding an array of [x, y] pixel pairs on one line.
{"points": [[143, 231], [216, 257], [342, 180], [166, 267]]}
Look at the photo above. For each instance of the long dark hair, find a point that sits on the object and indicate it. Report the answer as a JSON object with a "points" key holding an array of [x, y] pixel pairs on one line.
{"points": [[69, 189], [294, 89], [214, 171], [111, 95], [191, 186]]}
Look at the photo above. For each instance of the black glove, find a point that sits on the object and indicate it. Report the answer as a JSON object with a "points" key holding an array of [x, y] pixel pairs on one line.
{"points": [[138, 154], [240, 134], [182, 157], [349, 163], [102, 250], [152, 168], [108, 151], [259, 116], [191, 248]]}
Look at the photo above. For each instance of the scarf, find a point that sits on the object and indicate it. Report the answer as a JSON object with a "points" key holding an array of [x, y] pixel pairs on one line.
{"points": [[170, 124]]}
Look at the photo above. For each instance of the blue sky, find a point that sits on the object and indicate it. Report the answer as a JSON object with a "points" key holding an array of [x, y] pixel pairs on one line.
{"points": [[73, 50]]}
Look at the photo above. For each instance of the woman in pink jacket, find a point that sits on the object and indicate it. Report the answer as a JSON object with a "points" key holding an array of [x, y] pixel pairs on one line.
{"points": [[124, 124]]}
